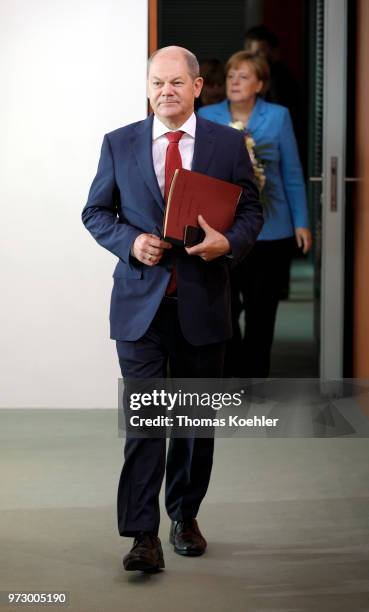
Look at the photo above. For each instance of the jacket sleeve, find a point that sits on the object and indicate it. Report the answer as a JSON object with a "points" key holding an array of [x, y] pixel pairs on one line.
{"points": [[101, 214], [293, 179], [249, 217]]}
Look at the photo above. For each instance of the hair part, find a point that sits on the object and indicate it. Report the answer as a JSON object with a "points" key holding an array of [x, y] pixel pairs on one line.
{"points": [[259, 65], [191, 60]]}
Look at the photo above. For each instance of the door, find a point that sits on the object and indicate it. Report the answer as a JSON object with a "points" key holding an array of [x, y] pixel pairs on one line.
{"points": [[328, 163], [327, 90]]}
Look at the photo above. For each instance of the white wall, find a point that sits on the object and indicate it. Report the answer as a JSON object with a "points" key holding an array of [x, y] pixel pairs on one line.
{"points": [[70, 70]]}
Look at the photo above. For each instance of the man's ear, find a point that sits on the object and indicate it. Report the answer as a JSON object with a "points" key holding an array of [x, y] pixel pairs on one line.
{"points": [[197, 85]]}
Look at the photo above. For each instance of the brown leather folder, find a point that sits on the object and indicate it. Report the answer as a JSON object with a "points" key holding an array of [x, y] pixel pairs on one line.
{"points": [[192, 194]]}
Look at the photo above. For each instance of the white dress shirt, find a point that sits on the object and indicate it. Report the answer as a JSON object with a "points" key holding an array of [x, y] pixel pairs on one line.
{"points": [[160, 144]]}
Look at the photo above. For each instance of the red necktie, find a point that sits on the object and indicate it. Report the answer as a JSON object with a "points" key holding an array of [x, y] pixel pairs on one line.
{"points": [[173, 161]]}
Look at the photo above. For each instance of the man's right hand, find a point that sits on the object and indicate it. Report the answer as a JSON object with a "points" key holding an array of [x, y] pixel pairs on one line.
{"points": [[148, 249]]}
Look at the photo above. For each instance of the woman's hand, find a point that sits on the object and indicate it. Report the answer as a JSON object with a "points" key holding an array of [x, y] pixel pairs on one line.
{"points": [[303, 239]]}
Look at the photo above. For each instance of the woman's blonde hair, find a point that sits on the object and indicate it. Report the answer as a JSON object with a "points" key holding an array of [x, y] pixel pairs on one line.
{"points": [[258, 63]]}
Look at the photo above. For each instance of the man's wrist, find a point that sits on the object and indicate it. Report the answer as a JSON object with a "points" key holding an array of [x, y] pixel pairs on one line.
{"points": [[132, 249], [227, 247]]}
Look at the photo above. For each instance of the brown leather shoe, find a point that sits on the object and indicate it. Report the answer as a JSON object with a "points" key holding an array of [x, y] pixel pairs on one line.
{"points": [[146, 554], [187, 538]]}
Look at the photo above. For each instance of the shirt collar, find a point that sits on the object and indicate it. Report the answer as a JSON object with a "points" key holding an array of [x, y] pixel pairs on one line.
{"points": [[159, 129]]}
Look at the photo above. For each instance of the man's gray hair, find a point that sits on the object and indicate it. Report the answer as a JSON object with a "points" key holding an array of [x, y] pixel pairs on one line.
{"points": [[191, 59]]}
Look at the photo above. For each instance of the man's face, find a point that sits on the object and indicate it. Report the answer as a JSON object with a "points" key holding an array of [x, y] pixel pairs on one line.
{"points": [[171, 90]]}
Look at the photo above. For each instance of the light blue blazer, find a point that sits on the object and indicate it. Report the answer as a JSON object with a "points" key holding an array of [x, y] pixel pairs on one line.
{"points": [[270, 124]]}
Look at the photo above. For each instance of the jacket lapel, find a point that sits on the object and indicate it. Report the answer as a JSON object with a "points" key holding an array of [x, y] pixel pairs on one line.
{"points": [[257, 115], [204, 146], [142, 146]]}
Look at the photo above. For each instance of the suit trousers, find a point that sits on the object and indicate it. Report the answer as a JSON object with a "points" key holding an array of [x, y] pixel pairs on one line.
{"points": [[258, 280], [189, 460]]}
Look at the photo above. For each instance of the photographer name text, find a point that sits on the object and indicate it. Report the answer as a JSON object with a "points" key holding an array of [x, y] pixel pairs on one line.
{"points": [[183, 420]]}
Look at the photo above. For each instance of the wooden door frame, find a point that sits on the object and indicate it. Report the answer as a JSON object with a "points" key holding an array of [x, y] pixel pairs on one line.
{"points": [[152, 42], [153, 26]]}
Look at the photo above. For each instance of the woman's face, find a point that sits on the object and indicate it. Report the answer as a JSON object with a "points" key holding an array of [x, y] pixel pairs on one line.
{"points": [[242, 83]]}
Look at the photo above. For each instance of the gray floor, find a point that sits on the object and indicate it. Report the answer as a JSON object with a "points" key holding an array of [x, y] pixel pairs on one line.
{"points": [[287, 522]]}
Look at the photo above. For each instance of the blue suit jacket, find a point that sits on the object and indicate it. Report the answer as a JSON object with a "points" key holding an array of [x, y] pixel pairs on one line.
{"points": [[125, 201], [270, 124]]}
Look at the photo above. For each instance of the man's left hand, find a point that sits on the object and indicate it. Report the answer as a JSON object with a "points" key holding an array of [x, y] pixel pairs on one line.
{"points": [[214, 244]]}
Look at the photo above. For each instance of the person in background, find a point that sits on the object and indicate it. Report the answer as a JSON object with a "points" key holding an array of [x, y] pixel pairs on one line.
{"points": [[272, 146], [282, 89], [213, 90]]}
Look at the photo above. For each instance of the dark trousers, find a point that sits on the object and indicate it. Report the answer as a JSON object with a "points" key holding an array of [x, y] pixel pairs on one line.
{"points": [[189, 460], [257, 283]]}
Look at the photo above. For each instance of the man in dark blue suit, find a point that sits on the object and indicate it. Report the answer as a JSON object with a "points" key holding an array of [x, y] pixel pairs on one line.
{"points": [[168, 304]]}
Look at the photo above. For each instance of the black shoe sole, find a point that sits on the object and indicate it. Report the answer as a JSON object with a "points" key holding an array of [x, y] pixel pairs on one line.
{"points": [[189, 553], [142, 566]]}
